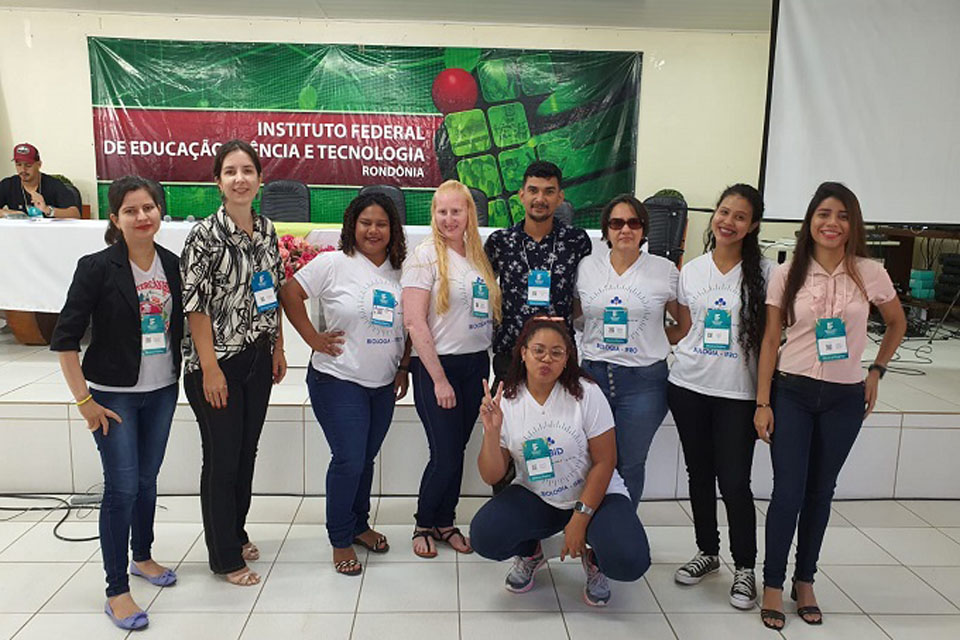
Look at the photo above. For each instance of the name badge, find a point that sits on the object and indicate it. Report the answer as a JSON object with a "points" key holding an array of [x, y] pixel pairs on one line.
{"points": [[615, 325], [831, 339], [716, 330], [263, 292], [481, 299], [538, 288], [383, 308], [536, 454], [153, 338], [34, 212]]}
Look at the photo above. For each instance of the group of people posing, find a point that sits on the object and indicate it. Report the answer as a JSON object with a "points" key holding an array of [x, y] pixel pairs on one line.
{"points": [[565, 435]]}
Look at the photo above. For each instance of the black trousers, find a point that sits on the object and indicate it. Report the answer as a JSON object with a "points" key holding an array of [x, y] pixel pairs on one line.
{"points": [[718, 437], [229, 437]]}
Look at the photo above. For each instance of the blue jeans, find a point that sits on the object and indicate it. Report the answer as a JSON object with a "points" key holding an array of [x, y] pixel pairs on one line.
{"points": [[638, 397], [514, 522], [354, 420], [131, 454], [448, 432], [815, 424]]}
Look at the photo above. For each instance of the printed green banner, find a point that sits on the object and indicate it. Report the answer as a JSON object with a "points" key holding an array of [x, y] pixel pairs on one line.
{"points": [[339, 117]]}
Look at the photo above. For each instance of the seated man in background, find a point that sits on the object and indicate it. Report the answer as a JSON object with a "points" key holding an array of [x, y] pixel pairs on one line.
{"points": [[30, 188]]}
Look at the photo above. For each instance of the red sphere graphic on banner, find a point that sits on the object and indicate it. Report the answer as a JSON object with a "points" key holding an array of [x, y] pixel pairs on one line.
{"points": [[454, 90]]}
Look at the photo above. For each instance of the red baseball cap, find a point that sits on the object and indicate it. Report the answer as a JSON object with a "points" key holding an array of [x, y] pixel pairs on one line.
{"points": [[25, 152]]}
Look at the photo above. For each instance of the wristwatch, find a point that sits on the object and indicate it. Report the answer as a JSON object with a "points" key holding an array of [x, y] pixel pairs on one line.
{"points": [[582, 508], [877, 367]]}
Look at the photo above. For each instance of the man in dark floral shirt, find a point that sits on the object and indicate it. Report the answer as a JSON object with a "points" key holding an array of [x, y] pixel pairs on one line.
{"points": [[537, 255]]}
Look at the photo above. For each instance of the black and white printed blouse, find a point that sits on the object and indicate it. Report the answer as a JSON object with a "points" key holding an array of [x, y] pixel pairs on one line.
{"points": [[218, 263], [513, 254]]}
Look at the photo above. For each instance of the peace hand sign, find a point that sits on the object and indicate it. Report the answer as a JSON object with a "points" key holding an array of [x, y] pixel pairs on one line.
{"points": [[490, 412]]}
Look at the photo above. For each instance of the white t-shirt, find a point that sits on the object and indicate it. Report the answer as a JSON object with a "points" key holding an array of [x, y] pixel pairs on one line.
{"points": [[643, 290], [722, 373], [373, 333], [566, 424], [458, 331], [153, 293]]}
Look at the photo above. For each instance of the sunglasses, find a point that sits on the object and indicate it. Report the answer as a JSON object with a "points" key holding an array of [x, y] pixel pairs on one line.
{"points": [[617, 223]]}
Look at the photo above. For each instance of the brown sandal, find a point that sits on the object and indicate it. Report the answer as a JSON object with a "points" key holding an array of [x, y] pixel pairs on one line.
{"points": [[242, 578], [379, 545], [351, 567], [250, 552], [444, 536], [428, 536]]}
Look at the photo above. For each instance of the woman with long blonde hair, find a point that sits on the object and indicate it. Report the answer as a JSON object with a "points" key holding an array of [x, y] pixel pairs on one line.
{"points": [[450, 301]]}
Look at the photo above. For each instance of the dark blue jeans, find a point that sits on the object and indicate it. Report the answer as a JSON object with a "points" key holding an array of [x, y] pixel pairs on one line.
{"points": [[638, 397], [354, 420], [131, 454], [815, 424], [514, 521], [448, 432]]}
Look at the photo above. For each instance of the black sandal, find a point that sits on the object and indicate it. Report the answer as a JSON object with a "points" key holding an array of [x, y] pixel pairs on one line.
{"points": [[449, 533], [803, 612], [428, 536], [379, 545], [351, 567], [769, 616]]}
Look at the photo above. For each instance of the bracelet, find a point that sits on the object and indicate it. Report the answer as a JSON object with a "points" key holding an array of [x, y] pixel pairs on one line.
{"points": [[763, 405], [85, 400], [876, 366]]}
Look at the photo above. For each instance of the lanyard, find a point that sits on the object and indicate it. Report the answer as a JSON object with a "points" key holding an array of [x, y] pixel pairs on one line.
{"points": [[553, 253], [29, 203]]}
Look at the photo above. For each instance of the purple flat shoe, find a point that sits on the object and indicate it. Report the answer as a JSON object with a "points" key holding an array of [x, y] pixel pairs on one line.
{"points": [[165, 579], [131, 623]]}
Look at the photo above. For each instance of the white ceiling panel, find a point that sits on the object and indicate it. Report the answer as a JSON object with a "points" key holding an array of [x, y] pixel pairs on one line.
{"points": [[720, 15]]}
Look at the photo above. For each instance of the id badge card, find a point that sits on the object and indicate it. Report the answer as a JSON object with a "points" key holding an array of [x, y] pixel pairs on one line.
{"points": [[34, 212], [153, 337], [831, 339], [538, 288], [384, 303], [481, 299], [716, 330], [615, 325], [536, 455], [263, 292]]}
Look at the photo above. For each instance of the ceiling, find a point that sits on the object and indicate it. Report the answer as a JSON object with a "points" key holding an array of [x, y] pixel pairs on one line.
{"points": [[720, 15]]}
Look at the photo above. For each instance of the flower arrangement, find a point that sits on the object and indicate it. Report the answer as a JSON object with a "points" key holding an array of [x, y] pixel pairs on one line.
{"points": [[297, 252]]}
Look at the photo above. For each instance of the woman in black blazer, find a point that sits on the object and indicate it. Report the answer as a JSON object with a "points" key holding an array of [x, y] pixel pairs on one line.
{"points": [[128, 385]]}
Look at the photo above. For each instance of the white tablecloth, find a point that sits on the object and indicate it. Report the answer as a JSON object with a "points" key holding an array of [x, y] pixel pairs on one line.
{"points": [[38, 257]]}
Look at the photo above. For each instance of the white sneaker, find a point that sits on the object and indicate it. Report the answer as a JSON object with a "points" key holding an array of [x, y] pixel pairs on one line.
{"points": [[596, 592]]}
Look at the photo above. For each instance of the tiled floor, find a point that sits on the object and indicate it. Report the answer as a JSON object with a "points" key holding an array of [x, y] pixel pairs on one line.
{"points": [[891, 570]]}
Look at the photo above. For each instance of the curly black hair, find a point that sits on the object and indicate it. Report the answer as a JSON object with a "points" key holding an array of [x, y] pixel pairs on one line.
{"points": [[396, 247], [570, 376]]}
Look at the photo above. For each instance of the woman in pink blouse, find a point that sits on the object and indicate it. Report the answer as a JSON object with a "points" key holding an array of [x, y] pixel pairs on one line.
{"points": [[812, 396]]}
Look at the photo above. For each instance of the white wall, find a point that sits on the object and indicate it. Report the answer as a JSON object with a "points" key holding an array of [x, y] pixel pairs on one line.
{"points": [[701, 102]]}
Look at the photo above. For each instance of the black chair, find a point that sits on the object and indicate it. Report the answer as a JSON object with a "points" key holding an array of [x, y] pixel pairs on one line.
{"points": [[668, 227], [483, 206], [392, 192], [163, 196], [564, 213], [77, 198], [285, 201]]}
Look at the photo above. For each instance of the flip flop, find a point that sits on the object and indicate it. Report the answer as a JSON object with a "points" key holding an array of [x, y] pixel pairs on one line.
{"points": [[427, 535], [379, 545], [250, 552], [131, 623], [246, 579], [165, 579]]}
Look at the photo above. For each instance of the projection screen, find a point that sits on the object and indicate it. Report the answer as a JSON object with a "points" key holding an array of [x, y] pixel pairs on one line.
{"points": [[866, 92]]}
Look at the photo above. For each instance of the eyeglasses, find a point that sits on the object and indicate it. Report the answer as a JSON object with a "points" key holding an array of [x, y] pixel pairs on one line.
{"points": [[617, 223], [540, 352]]}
